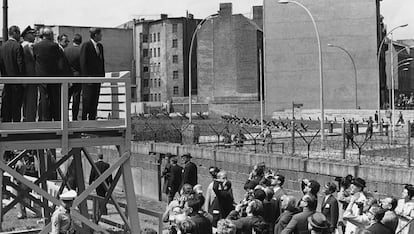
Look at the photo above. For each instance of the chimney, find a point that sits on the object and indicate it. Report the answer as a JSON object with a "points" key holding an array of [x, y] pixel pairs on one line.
{"points": [[164, 16], [190, 16], [258, 15], [226, 10]]}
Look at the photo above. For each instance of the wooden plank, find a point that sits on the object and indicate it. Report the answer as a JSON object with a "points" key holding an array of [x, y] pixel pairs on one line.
{"points": [[17, 158], [65, 118], [97, 123], [78, 216], [83, 206], [30, 125], [111, 189], [100, 179]]}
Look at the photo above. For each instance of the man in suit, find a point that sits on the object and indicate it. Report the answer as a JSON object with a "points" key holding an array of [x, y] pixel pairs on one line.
{"points": [[189, 171], [330, 206], [12, 65], [100, 190], [278, 190], [192, 207], [288, 205], [30, 90], [92, 63], [47, 54], [174, 180], [375, 215], [73, 55], [299, 222]]}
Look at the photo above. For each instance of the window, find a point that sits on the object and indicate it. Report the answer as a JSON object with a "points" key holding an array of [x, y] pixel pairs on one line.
{"points": [[159, 38], [155, 37], [159, 97], [151, 97], [175, 90], [144, 38], [159, 82], [145, 53], [175, 75], [145, 69], [145, 83], [159, 52], [150, 38], [175, 43], [174, 28], [150, 52], [175, 58], [155, 52], [145, 97]]}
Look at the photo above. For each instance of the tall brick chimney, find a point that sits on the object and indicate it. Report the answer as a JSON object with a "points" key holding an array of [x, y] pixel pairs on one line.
{"points": [[258, 15], [226, 10]]}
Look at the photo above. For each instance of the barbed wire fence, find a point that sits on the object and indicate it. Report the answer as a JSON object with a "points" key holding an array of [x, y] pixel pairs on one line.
{"points": [[384, 147]]}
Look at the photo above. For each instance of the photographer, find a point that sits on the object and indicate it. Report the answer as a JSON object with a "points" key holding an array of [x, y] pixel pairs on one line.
{"points": [[255, 176], [344, 197], [209, 205]]}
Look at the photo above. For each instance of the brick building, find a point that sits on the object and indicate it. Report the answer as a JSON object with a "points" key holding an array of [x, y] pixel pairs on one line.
{"points": [[228, 61], [161, 57], [291, 58]]}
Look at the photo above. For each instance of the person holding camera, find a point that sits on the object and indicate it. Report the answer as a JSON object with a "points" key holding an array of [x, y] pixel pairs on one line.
{"points": [[253, 220], [255, 177], [354, 215], [224, 194], [288, 205], [299, 222], [209, 205]]}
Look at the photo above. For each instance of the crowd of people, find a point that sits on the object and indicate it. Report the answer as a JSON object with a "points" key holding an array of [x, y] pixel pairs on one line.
{"points": [[35, 53], [345, 207]]}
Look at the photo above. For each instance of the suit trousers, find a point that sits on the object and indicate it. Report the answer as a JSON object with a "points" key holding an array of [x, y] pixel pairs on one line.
{"points": [[75, 93], [30, 103], [54, 101], [90, 100], [11, 103]]}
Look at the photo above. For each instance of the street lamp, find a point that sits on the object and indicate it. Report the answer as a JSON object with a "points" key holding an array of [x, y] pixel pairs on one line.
{"points": [[378, 62], [190, 111], [322, 118], [355, 71]]}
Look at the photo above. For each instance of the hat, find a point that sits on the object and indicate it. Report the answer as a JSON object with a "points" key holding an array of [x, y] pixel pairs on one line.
{"points": [[318, 221], [359, 182], [174, 159], [27, 30], [168, 155], [69, 195], [186, 155]]}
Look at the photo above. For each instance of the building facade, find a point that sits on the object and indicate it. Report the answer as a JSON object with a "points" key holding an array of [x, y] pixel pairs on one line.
{"points": [[161, 58], [291, 58], [228, 62]]}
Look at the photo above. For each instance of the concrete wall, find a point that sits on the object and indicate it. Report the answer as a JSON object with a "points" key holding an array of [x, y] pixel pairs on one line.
{"points": [[291, 54]]}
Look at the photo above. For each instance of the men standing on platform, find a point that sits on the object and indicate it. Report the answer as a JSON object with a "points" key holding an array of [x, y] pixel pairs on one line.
{"points": [[100, 190], [62, 221], [30, 90], [92, 63], [12, 65], [73, 55], [189, 171], [46, 54]]}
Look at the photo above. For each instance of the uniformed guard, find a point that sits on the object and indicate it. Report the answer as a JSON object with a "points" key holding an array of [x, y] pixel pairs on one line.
{"points": [[61, 219]]}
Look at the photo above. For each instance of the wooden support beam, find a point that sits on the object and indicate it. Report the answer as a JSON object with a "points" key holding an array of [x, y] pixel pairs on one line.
{"points": [[43, 176], [65, 117], [21, 200], [83, 219], [116, 204], [17, 158], [77, 160], [111, 189], [1, 186], [18, 198]]}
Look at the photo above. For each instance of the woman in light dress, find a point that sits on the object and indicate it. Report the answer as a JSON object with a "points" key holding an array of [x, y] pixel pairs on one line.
{"points": [[405, 211]]}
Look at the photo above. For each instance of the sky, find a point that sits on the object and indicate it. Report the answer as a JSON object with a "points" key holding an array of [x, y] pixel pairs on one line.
{"points": [[105, 13]]}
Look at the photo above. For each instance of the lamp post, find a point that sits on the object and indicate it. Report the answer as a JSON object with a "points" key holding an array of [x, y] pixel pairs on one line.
{"points": [[378, 62], [355, 71], [322, 118], [190, 102]]}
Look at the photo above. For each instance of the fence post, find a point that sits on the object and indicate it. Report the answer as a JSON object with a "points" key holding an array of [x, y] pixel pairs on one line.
{"points": [[409, 144], [343, 139], [293, 136]]}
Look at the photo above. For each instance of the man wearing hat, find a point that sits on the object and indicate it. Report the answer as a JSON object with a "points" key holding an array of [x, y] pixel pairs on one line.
{"points": [[357, 198], [166, 172], [61, 219], [189, 171], [174, 181], [317, 223], [101, 190], [30, 90]]}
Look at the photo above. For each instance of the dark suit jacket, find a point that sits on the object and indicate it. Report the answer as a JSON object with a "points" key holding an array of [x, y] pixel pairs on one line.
{"points": [[90, 63], [12, 59], [73, 55], [379, 228], [202, 224], [64, 66], [330, 209], [245, 225], [189, 174], [277, 196], [46, 54], [174, 180], [29, 60], [102, 166], [283, 221], [299, 223]]}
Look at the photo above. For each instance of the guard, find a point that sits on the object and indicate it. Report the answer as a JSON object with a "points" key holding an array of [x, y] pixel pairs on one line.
{"points": [[62, 222]]}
